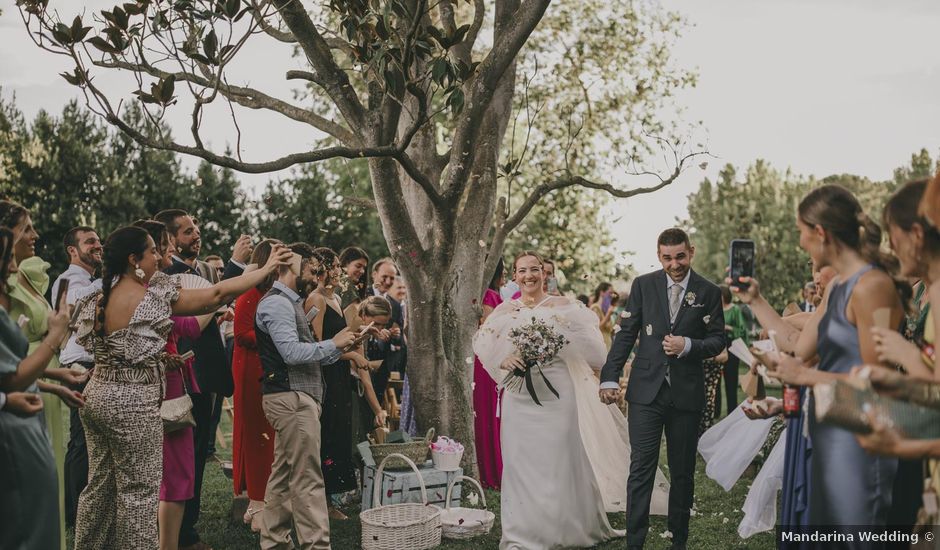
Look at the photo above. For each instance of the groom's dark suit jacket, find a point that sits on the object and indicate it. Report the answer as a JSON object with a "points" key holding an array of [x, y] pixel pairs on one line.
{"points": [[647, 316]]}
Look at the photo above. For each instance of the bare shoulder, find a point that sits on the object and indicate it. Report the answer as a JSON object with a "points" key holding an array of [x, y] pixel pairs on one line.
{"points": [[874, 281]]}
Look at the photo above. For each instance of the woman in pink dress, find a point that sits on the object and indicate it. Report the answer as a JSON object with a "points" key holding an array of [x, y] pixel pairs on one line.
{"points": [[486, 401]]}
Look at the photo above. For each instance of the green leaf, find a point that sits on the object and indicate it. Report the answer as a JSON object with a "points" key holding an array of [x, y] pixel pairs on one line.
{"points": [[439, 70], [455, 101], [167, 87], [460, 34], [210, 45], [102, 44], [231, 8]]}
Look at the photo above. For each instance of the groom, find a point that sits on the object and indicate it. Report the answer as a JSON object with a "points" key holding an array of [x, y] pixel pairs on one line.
{"points": [[678, 318]]}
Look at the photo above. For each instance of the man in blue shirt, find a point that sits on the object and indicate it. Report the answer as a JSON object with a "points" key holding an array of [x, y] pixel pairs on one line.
{"points": [[292, 389]]}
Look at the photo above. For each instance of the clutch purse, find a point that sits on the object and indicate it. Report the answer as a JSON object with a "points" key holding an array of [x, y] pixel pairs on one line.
{"points": [[848, 406], [177, 413]]}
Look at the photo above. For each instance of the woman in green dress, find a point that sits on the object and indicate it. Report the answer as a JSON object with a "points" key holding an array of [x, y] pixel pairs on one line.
{"points": [[29, 515], [29, 309]]}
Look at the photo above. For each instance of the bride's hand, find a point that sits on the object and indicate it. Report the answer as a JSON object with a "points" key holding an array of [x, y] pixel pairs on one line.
{"points": [[512, 362], [609, 396]]}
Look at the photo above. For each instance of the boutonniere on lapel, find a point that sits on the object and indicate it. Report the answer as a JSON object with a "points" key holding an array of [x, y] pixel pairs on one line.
{"points": [[706, 319], [689, 298], [649, 330], [626, 315]]}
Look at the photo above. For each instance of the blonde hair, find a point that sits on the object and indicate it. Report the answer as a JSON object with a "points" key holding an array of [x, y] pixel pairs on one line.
{"points": [[375, 306], [525, 253]]}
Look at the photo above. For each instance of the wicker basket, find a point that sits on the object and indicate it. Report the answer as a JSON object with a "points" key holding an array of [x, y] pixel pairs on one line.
{"points": [[409, 526], [465, 523], [415, 451]]}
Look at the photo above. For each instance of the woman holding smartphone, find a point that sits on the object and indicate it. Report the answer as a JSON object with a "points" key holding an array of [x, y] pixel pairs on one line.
{"points": [[848, 486]]}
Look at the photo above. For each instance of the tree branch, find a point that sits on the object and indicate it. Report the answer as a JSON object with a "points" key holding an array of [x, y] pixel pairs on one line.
{"points": [[516, 29], [247, 97], [280, 35], [335, 81]]}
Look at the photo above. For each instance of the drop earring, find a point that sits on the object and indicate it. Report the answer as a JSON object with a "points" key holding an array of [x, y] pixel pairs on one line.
{"points": [[138, 272]]}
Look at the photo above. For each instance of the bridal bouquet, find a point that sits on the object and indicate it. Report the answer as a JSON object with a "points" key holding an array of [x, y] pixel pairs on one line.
{"points": [[538, 344]]}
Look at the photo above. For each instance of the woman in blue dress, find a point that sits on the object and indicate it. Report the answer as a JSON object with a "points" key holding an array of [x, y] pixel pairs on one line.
{"points": [[847, 486]]}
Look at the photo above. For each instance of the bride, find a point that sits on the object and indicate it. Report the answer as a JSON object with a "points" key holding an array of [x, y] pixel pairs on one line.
{"points": [[565, 462]]}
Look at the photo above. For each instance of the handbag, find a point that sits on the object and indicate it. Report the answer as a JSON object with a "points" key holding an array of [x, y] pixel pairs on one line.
{"points": [[177, 413]]}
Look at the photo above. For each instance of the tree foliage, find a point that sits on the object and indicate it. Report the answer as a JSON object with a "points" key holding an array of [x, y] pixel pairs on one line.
{"points": [[760, 204]]}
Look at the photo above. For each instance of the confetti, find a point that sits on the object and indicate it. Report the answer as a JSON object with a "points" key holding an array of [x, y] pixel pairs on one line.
{"points": [[724, 520], [704, 165], [468, 360], [473, 499], [665, 535], [266, 436], [482, 243]]}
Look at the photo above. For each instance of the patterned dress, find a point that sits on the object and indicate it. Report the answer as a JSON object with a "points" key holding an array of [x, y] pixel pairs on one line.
{"points": [[118, 508]]}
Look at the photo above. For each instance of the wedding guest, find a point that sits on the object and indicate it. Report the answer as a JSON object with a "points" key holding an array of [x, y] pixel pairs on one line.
{"points": [[212, 366], [916, 244], [809, 294], [126, 325], [354, 261], [336, 419], [225, 319], [252, 435], [848, 486], [83, 247], [29, 308], [735, 328], [384, 272], [601, 306], [178, 480], [486, 399], [399, 292], [368, 413], [29, 511], [292, 389]]}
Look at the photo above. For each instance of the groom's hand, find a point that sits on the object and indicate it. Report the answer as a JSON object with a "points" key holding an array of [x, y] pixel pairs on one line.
{"points": [[609, 396], [673, 345]]}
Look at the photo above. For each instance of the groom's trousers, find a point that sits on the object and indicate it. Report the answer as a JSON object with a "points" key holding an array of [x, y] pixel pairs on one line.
{"points": [[646, 425]]}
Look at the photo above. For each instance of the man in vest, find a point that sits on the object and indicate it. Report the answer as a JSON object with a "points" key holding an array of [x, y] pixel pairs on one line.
{"points": [[292, 389]]}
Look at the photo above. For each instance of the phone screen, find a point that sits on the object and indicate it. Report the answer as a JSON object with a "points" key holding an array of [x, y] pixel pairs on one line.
{"points": [[62, 291], [552, 285], [742, 261]]}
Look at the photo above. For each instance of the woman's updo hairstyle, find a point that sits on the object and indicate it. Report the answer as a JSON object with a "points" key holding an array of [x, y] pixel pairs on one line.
{"points": [[11, 214], [902, 212], [326, 258], [838, 212], [120, 244]]}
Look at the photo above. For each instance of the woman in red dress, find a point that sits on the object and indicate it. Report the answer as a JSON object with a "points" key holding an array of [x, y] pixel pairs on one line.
{"points": [[486, 401], [252, 436]]}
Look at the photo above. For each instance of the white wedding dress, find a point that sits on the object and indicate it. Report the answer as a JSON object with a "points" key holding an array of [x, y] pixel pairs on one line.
{"points": [[565, 463]]}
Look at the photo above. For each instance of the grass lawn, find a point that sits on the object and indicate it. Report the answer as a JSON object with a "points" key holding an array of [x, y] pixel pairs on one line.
{"points": [[714, 525]]}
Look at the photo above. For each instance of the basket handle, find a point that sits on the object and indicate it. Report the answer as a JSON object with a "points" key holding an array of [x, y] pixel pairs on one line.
{"points": [[450, 489], [377, 481], [429, 438]]}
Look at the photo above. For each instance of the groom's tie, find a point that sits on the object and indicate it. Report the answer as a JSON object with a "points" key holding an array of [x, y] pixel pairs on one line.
{"points": [[675, 300]]}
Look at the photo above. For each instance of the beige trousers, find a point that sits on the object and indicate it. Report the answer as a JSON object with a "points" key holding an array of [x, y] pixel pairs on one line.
{"points": [[295, 494]]}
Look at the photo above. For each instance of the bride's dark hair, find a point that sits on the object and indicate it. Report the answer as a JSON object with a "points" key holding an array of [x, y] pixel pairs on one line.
{"points": [[523, 254]]}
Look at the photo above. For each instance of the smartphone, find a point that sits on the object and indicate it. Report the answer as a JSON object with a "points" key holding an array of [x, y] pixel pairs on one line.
{"points": [[188, 355], [63, 291], [742, 261], [552, 285], [605, 302]]}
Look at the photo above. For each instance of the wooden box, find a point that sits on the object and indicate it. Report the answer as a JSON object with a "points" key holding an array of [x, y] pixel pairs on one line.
{"points": [[402, 486]]}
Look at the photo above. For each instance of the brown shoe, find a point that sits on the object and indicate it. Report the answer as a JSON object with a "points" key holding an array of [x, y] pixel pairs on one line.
{"points": [[334, 513]]}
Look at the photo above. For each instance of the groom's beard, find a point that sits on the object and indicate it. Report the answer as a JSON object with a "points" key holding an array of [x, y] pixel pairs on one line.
{"points": [[679, 273]]}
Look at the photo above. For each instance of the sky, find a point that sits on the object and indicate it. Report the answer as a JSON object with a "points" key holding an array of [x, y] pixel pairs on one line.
{"points": [[820, 87]]}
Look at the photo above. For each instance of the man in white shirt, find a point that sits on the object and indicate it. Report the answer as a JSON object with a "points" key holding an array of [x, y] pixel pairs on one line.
{"points": [[83, 246]]}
